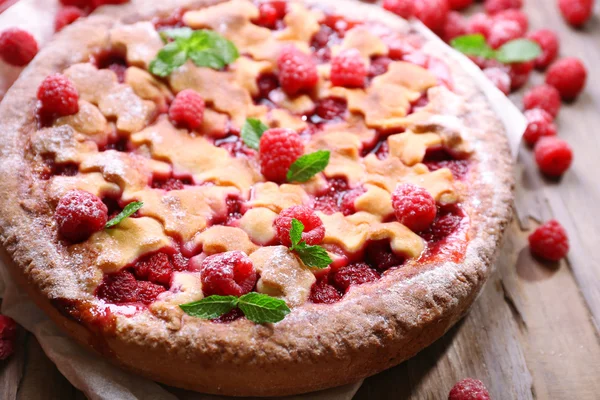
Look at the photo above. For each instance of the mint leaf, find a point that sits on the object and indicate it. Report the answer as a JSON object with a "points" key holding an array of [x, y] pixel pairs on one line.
{"points": [[210, 307], [261, 308], [205, 48], [296, 232], [252, 131], [313, 256], [518, 50], [473, 45], [127, 212], [308, 166]]}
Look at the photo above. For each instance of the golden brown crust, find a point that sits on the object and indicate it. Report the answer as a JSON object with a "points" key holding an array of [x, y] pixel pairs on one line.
{"points": [[375, 327]]}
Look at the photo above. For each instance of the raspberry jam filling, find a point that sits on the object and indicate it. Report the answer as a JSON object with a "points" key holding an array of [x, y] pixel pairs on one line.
{"points": [[437, 158]]}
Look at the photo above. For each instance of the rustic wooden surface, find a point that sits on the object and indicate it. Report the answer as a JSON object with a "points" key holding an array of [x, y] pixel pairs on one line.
{"points": [[533, 333]]}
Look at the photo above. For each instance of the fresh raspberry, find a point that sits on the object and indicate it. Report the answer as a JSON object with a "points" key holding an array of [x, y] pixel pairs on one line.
{"points": [[79, 214], [228, 274], [7, 348], [278, 150], [322, 292], [179, 262], [495, 6], [348, 69], [504, 31], [297, 71], [156, 268], [519, 74], [414, 206], [379, 254], [404, 8], [548, 41], [553, 156], [455, 26], [147, 292], [58, 95], [549, 241], [354, 274], [545, 97], [576, 12], [66, 16], [432, 13], [17, 47], [8, 328], [469, 389], [480, 23], [120, 287], [187, 109], [459, 4], [267, 16], [514, 15], [539, 124], [313, 233], [499, 78], [331, 108], [568, 75]]}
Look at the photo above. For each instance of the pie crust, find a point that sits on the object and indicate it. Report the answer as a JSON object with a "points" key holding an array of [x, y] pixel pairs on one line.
{"points": [[374, 327]]}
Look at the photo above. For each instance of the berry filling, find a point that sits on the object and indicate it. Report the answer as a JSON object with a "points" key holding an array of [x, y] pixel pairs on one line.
{"points": [[438, 158]]}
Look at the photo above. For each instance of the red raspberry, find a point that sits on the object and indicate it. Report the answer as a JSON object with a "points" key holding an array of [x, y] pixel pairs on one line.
{"points": [[278, 150], [379, 254], [79, 214], [548, 41], [455, 26], [267, 16], [314, 231], [7, 348], [504, 31], [432, 13], [347, 206], [297, 71], [120, 287], [353, 274], [549, 241], [495, 6], [348, 69], [322, 292], [403, 8], [515, 15], [331, 108], [553, 156], [156, 268], [480, 23], [539, 124], [499, 77], [187, 109], [576, 12], [228, 274], [568, 75], [469, 389], [147, 292], [58, 95], [414, 206], [66, 16], [8, 328], [459, 4], [17, 47], [545, 97], [519, 74]]}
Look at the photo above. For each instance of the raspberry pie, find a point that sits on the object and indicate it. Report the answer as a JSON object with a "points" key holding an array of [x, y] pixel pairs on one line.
{"points": [[251, 199]]}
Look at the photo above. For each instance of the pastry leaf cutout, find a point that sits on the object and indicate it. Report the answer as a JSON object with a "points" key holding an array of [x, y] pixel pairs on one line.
{"points": [[518, 50], [252, 131], [127, 212], [204, 47], [311, 256], [257, 307], [308, 166]]}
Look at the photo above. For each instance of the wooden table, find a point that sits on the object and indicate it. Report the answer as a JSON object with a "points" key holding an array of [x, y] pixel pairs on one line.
{"points": [[533, 332]]}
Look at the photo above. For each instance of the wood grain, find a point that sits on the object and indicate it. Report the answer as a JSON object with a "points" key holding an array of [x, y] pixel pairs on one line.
{"points": [[533, 332]]}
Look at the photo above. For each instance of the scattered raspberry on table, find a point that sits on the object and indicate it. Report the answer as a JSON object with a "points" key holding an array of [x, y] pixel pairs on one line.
{"points": [[539, 124], [469, 389], [549, 241], [553, 156], [66, 16], [545, 97], [17, 47], [568, 75], [576, 12]]}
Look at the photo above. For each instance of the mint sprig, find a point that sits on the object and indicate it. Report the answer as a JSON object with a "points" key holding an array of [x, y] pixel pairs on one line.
{"points": [[308, 166], [127, 212], [311, 256], [205, 48], [515, 51], [252, 131], [257, 307]]}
